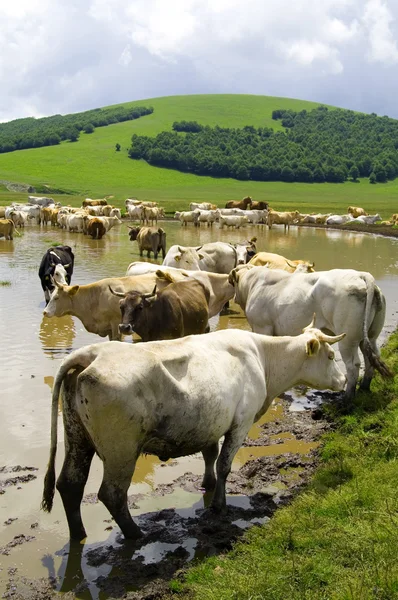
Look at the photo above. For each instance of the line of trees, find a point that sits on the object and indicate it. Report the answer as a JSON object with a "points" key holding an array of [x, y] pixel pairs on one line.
{"points": [[50, 131], [316, 146]]}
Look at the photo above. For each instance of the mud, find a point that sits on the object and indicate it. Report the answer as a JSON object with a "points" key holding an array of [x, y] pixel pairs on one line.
{"points": [[173, 538]]}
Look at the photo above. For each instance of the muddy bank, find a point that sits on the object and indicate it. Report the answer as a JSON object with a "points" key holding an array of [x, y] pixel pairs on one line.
{"points": [[384, 230], [173, 538]]}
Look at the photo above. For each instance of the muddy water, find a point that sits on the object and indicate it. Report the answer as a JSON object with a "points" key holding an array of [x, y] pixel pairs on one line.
{"points": [[33, 347]]}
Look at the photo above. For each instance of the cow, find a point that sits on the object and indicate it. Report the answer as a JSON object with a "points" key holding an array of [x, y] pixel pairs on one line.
{"points": [[7, 229], [95, 228], [46, 213], [110, 222], [94, 304], [243, 204], [41, 201], [151, 214], [180, 309], [171, 398], [394, 219], [277, 303], [18, 217], [338, 219], [90, 202], [367, 219], [259, 205], [202, 206], [356, 211], [216, 257], [187, 216], [206, 216], [236, 221], [56, 255], [276, 261], [282, 218], [150, 239]]}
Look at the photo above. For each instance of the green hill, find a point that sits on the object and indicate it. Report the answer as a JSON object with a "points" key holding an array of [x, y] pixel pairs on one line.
{"points": [[91, 167]]}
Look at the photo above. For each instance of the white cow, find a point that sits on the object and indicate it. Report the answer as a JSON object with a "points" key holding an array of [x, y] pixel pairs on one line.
{"points": [[135, 212], [277, 303], [338, 219], [216, 257], [236, 221], [207, 216], [171, 398], [367, 219], [40, 200], [188, 216]]}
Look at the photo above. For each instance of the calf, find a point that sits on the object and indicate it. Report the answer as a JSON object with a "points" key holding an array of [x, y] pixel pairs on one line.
{"points": [[57, 255], [171, 398], [181, 309]]}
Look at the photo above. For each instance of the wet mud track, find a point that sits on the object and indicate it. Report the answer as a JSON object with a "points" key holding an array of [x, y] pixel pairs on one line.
{"points": [[172, 538]]}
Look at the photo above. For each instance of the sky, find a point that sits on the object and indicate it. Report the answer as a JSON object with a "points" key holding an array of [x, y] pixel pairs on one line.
{"points": [[63, 56]]}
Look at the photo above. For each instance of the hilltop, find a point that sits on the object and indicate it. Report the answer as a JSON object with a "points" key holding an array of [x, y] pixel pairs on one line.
{"points": [[91, 167]]}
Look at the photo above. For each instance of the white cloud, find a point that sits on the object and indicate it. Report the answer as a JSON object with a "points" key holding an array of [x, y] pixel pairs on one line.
{"points": [[70, 55]]}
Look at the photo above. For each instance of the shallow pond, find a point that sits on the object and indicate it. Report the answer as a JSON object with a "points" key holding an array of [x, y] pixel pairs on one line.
{"points": [[32, 348]]}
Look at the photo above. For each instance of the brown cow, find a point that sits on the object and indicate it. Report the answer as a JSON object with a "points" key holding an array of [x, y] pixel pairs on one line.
{"points": [[89, 202], [243, 204], [151, 239], [356, 211], [181, 309], [96, 228], [282, 218], [259, 205], [7, 229]]}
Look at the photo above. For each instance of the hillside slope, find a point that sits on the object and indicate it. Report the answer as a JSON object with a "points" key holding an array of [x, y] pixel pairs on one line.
{"points": [[91, 167]]}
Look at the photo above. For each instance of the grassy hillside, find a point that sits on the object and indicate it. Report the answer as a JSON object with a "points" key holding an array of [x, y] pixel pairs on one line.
{"points": [[92, 167]]}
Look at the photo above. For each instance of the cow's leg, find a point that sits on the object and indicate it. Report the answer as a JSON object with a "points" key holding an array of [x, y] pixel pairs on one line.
{"points": [[350, 356], [148, 254], [232, 442], [210, 455], [113, 493], [79, 452]]}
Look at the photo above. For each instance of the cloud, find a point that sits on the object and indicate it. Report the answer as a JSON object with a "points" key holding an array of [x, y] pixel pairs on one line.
{"points": [[60, 56]]}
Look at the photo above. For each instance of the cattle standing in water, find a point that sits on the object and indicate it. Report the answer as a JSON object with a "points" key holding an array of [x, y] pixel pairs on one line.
{"points": [[215, 257], [7, 229], [170, 399], [56, 255], [277, 303], [181, 309], [149, 239]]}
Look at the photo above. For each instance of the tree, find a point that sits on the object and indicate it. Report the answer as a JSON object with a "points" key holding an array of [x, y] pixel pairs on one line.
{"points": [[354, 173], [372, 178], [287, 174], [88, 128], [117, 147]]}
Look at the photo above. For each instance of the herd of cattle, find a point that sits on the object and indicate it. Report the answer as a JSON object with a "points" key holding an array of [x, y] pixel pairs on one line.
{"points": [[183, 389], [238, 214]]}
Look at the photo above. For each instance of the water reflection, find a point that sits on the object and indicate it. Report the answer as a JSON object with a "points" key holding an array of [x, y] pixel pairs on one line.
{"points": [[57, 335]]}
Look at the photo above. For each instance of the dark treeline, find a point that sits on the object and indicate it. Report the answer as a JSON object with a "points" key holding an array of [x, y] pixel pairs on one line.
{"points": [[192, 126], [316, 146], [49, 131]]}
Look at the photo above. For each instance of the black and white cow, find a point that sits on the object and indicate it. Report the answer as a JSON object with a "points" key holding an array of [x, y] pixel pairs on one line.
{"points": [[57, 255]]}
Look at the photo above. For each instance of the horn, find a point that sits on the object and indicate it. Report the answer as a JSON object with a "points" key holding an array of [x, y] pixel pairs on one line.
{"points": [[290, 264], [312, 265], [119, 294], [331, 339], [311, 325], [66, 266]]}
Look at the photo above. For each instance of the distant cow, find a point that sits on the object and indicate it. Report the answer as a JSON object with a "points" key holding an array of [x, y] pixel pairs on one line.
{"points": [[99, 202], [243, 204], [259, 205], [356, 211], [149, 239], [96, 228], [282, 218], [53, 256], [181, 309], [7, 229]]}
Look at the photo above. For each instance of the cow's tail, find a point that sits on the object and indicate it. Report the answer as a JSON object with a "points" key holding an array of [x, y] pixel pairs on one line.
{"points": [[80, 358], [371, 292]]}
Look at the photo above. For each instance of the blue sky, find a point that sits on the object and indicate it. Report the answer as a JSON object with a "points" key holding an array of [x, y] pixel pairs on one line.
{"points": [[61, 56]]}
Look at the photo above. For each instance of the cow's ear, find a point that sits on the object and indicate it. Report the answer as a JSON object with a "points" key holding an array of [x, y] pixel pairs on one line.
{"points": [[73, 290], [313, 346], [233, 277], [201, 256], [149, 301], [177, 257]]}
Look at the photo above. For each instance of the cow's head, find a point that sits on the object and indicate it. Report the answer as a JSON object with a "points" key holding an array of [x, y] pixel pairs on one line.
{"points": [[134, 231], [320, 369], [300, 266], [188, 258], [61, 300], [132, 307], [245, 251]]}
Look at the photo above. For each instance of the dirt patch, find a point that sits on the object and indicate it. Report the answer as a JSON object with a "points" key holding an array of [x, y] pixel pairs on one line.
{"points": [[172, 538], [18, 479], [385, 230]]}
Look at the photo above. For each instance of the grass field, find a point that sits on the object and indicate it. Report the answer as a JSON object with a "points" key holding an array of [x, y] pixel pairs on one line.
{"points": [[91, 167]]}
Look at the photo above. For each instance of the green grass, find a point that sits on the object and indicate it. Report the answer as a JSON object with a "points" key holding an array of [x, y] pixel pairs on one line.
{"points": [[91, 167], [339, 539]]}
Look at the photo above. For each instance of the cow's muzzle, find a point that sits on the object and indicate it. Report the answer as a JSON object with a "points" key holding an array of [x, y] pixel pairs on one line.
{"points": [[125, 329]]}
